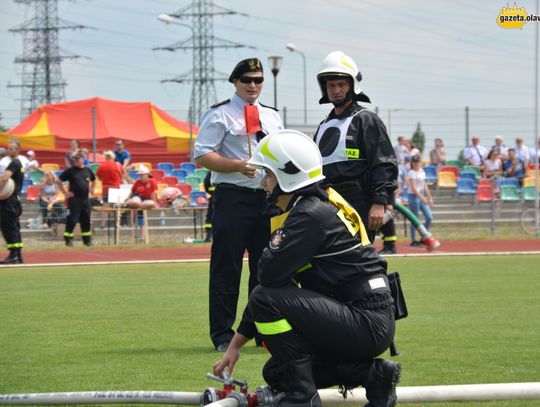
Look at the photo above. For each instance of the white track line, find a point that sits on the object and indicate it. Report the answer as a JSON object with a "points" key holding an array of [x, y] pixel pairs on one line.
{"points": [[105, 263]]}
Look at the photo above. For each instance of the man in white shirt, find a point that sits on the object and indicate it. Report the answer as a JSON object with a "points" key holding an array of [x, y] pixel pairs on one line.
{"points": [[500, 147], [522, 151], [476, 154]]}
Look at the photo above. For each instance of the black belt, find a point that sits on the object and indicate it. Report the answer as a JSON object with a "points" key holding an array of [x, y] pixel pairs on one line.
{"points": [[225, 185]]}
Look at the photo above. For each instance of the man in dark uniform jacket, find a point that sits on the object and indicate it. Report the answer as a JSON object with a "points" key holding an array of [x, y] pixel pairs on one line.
{"points": [[81, 186], [323, 304], [11, 208], [358, 158]]}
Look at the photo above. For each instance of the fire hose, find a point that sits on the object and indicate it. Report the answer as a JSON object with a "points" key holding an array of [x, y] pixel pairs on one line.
{"points": [[428, 239]]}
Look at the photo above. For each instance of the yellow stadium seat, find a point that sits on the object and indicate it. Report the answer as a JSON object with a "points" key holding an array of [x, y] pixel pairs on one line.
{"points": [[50, 167], [446, 179]]}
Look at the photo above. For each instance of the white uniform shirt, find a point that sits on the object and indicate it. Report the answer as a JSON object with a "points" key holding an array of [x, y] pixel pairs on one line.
{"points": [[473, 153], [223, 130]]}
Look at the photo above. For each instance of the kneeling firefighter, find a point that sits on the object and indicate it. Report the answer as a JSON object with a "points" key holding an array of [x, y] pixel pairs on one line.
{"points": [[323, 305]]}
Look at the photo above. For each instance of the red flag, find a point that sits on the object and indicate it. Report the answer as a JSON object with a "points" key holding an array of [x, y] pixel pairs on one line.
{"points": [[251, 117]]}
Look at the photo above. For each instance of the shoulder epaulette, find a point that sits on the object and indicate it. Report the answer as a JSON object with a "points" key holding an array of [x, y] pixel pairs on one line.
{"points": [[269, 107], [220, 103]]}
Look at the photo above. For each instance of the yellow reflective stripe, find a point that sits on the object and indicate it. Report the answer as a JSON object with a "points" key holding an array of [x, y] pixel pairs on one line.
{"points": [[316, 172], [273, 328], [67, 234], [85, 234], [389, 238], [14, 245], [266, 151], [304, 268]]}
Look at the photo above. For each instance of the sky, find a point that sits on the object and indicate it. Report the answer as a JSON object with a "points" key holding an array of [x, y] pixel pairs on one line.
{"points": [[421, 61]]}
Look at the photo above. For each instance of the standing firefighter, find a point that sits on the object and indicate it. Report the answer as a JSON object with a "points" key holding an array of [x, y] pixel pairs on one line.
{"points": [[10, 205], [358, 158], [329, 331], [81, 185]]}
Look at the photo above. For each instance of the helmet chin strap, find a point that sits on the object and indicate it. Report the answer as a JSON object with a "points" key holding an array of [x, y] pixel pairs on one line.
{"points": [[341, 102]]}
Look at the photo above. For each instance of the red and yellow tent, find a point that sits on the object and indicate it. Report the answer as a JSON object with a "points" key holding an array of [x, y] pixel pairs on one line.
{"points": [[144, 127]]}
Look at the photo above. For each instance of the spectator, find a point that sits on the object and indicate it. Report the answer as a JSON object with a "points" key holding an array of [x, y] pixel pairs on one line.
{"points": [[500, 147], [50, 200], [144, 191], [4, 160], [437, 156], [111, 173], [32, 164], [419, 197], [476, 154], [74, 147], [413, 150], [402, 149], [121, 155], [514, 167], [522, 151], [86, 160], [494, 167]]}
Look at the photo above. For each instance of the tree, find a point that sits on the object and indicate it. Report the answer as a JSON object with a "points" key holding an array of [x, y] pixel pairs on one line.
{"points": [[419, 138], [2, 128]]}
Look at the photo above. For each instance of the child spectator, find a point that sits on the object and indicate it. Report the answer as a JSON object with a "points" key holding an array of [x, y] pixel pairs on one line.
{"points": [[419, 197]]}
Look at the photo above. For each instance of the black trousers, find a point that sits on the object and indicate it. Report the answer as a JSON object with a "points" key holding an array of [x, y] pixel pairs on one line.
{"points": [[320, 326], [239, 223], [79, 212], [10, 211]]}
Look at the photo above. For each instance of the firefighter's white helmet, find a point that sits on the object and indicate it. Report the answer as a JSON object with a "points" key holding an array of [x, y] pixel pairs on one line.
{"points": [[292, 156], [337, 64]]}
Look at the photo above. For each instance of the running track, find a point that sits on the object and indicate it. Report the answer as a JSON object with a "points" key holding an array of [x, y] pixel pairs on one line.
{"points": [[111, 254]]}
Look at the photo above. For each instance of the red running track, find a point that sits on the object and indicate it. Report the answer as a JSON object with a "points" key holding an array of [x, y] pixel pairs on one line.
{"points": [[143, 253]]}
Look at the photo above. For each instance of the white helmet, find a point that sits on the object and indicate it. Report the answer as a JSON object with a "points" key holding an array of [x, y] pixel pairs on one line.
{"points": [[337, 64], [292, 156]]}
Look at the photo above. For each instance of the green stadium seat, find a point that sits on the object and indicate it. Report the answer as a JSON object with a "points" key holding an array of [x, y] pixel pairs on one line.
{"points": [[509, 193]]}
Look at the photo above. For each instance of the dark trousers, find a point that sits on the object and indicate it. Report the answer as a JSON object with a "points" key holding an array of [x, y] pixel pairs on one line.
{"points": [[10, 210], [239, 223], [79, 212]]}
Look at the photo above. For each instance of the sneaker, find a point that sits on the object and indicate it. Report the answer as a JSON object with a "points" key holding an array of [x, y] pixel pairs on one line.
{"points": [[222, 347], [382, 391], [417, 244]]}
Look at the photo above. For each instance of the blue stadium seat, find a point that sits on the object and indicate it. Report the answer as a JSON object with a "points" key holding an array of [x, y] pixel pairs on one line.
{"points": [[468, 175], [180, 174], [431, 173], [466, 186], [166, 167], [198, 198], [26, 183], [508, 181], [188, 167]]}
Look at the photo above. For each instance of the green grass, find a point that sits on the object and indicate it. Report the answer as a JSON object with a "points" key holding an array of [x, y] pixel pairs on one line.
{"points": [[471, 320]]}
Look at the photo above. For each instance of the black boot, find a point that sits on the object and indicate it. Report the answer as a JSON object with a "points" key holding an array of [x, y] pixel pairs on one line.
{"points": [[19, 256], [12, 257], [381, 387], [379, 377], [388, 248], [68, 240], [87, 240], [208, 238], [298, 388]]}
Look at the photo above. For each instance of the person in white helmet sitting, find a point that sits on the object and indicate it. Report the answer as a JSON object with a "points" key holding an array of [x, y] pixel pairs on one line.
{"points": [[323, 305]]}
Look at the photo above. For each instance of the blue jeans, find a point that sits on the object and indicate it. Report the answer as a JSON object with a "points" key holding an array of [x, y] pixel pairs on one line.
{"points": [[416, 205]]}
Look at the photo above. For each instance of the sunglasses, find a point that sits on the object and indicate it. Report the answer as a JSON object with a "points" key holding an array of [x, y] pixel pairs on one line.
{"points": [[248, 79]]}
